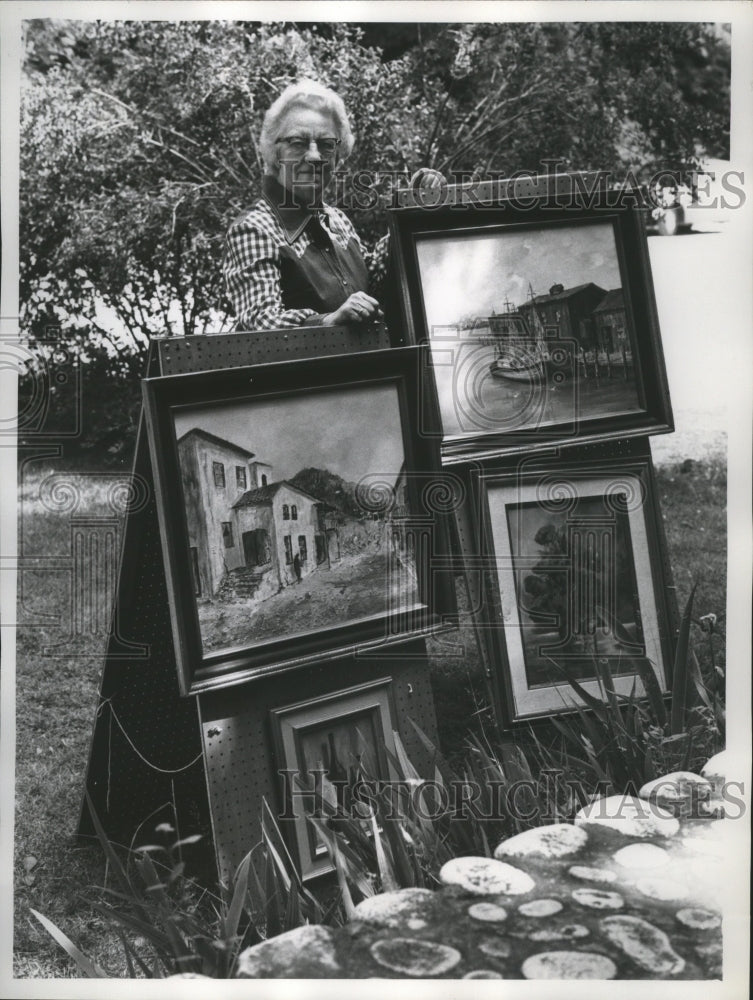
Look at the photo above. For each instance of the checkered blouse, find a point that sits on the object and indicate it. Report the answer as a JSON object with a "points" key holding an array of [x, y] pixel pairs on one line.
{"points": [[282, 270]]}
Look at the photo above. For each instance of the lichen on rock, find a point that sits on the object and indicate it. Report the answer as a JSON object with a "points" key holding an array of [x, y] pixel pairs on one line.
{"points": [[486, 877], [646, 945], [554, 841], [410, 908], [629, 816], [569, 965], [306, 952], [413, 957]]}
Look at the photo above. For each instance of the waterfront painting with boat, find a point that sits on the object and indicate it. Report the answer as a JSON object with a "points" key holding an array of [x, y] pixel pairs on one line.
{"points": [[528, 327]]}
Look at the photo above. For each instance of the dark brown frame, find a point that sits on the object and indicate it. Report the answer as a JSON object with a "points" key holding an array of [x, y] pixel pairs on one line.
{"points": [[435, 608], [530, 479], [291, 723], [508, 207]]}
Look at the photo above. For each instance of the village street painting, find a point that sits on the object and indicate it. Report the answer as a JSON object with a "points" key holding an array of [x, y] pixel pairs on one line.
{"points": [[280, 539], [528, 327]]}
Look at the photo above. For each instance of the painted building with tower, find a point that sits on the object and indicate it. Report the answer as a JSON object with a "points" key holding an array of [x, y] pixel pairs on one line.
{"points": [[246, 532]]}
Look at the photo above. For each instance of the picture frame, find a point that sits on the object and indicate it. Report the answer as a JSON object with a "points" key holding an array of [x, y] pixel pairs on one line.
{"points": [[295, 518], [575, 582], [353, 728], [537, 303]]}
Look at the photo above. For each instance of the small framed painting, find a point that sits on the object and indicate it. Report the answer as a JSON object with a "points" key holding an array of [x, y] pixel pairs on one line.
{"points": [[325, 746], [576, 584], [540, 318], [296, 514]]}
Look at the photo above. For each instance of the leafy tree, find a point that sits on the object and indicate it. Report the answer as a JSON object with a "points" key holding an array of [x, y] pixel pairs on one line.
{"points": [[138, 140]]}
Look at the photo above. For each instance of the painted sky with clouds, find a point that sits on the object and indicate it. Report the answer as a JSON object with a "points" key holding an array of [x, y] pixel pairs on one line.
{"points": [[352, 432], [475, 273]]}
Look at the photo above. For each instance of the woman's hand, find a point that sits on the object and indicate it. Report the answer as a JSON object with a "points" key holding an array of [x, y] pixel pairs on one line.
{"points": [[357, 308]]}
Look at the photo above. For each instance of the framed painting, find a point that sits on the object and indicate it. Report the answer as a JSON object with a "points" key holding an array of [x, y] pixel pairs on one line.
{"points": [[325, 746], [540, 317], [295, 518], [575, 588]]}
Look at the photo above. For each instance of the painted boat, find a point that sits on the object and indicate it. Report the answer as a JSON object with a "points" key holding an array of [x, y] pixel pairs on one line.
{"points": [[517, 369]]}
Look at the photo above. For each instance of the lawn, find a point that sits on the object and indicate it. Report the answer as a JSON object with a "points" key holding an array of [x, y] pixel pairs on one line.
{"points": [[60, 642]]}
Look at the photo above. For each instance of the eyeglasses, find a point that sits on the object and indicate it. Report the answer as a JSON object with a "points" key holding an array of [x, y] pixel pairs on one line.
{"points": [[300, 145]]}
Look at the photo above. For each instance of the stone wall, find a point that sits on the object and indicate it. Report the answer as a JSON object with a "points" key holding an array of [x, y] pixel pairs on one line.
{"points": [[629, 890]]}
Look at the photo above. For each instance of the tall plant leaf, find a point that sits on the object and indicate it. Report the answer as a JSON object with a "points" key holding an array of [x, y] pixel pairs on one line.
{"points": [[386, 875], [681, 670], [85, 964], [114, 860], [240, 890]]}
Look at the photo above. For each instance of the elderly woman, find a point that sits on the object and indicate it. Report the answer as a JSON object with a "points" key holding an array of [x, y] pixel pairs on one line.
{"points": [[293, 260]]}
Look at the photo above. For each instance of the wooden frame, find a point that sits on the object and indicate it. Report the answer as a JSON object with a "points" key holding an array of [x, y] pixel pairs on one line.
{"points": [[574, 571], [561, 339], [351, 727], [235, 552]]}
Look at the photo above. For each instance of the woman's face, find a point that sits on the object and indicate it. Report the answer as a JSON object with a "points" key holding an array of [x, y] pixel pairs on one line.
{"points": [[305, 174]]}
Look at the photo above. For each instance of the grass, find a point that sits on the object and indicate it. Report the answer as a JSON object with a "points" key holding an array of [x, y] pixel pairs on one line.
{"points": [[56, 698], [55, 706]]}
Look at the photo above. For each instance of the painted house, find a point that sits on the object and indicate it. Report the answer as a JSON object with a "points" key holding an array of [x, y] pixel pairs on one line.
{"points": [[565, 313], [610, 319], [240, 520], [277, 523], [399, 518], [214, 473]]}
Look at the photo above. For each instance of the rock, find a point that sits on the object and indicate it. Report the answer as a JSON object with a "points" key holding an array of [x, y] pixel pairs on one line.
{"points": [[304, 953], [488, 912], [567, 932], [645, 944], [712, 957], [569, 965], [630, 816], [718, 771], [704, 842], [483, 974], [641, 856], [591, 874], [188, 975], [682, 793], [661, 888], [719, 768], [598, 899], [495, 948], [485, 877], [555, 841], [698, 918], [540, 908], [403, 908], [413, 957]]}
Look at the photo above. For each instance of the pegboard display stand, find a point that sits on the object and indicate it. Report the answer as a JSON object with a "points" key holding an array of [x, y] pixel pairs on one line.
{"points": [[205, 761]]}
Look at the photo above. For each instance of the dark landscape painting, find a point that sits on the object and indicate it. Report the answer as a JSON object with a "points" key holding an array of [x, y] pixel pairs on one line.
{"points": [[576, 589]]}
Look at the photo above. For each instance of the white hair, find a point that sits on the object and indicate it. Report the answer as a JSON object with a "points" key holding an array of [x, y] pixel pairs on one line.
{"points": [[311, 94]]}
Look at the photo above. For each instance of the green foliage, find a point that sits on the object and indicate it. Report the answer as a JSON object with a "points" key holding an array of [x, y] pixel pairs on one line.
{"points": [[139, 144], [139, 137], [168, 925], [624, 741]]}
